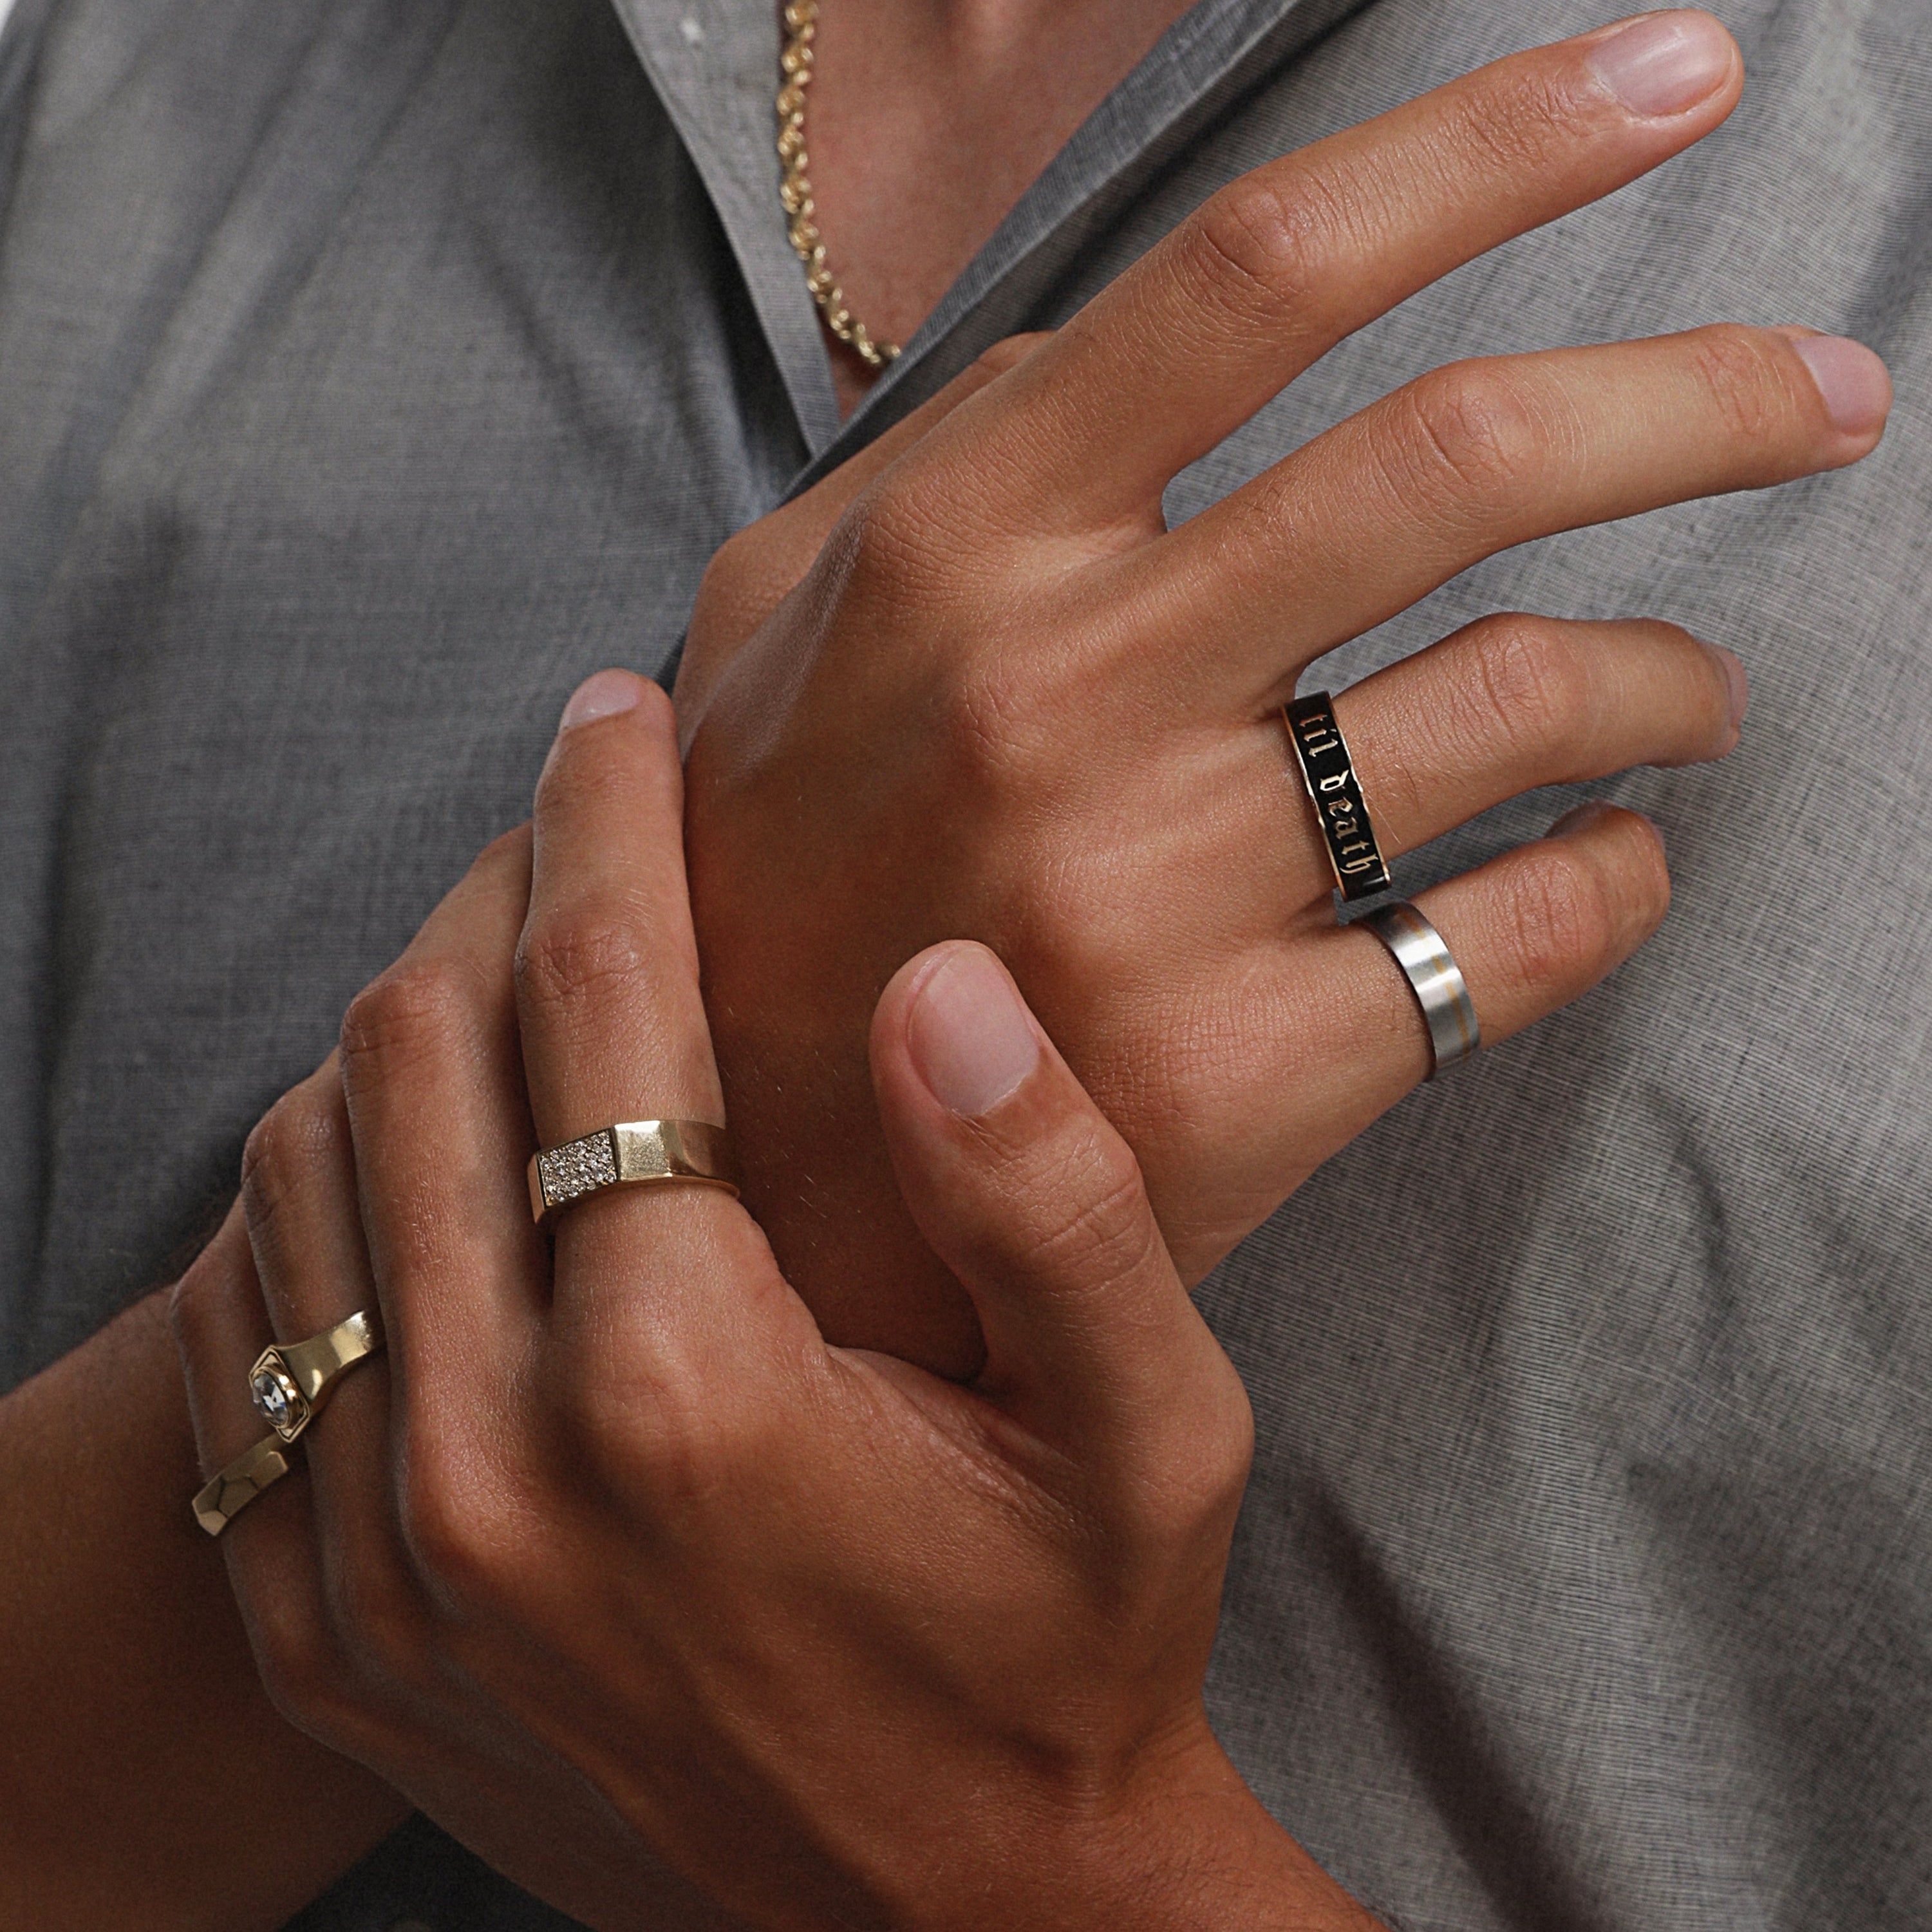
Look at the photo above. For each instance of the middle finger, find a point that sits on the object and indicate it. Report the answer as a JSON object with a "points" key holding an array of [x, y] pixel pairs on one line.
{"points": [[1474, 459]]}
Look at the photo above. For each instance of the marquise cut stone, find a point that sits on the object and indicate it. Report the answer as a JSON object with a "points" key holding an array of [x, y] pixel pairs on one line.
{"points": [[276, 1396]]}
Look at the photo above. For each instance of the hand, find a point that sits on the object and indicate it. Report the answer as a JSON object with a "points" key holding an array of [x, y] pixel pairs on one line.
{"points": [[1002, 701], [621, 1554]]}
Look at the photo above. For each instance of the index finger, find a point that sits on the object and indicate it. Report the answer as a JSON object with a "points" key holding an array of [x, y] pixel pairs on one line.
{"points": [[613, 1026], [1279, 266]]}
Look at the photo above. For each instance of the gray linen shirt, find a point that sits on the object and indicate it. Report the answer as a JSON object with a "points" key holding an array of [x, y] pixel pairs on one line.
{"points": [[372, 370]]}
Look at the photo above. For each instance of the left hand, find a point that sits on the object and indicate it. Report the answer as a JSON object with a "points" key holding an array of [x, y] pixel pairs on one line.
{"points": [[612, 1552], [1005, 701]]}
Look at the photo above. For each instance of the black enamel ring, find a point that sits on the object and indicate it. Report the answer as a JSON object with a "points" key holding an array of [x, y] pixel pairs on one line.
{"points": [[1329, 775]]}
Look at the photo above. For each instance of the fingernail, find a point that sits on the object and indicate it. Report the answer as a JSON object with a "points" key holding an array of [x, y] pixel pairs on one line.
{"points": [[1580, 819], [970, 1037], [1664, 64], [1739, 685], [1855, 385], [603, 695]]}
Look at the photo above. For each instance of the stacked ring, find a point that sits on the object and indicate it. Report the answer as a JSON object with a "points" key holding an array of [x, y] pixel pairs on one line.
{"points": [[1433, 977]]}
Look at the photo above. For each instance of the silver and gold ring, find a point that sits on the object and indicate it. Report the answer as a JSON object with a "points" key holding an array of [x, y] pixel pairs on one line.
{"points": [[1435, 979], [633, 1153]]}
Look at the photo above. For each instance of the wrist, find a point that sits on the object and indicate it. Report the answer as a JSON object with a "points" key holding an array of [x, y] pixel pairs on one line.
{"points": [[1186, 1845]]}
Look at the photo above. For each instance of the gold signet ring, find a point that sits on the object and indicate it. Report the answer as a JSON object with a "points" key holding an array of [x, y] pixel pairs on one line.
{"points": [[633, 1154], [289, 1387]]}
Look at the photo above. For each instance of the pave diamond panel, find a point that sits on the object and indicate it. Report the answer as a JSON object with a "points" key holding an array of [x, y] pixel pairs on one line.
{"points": [[577, 1167]]}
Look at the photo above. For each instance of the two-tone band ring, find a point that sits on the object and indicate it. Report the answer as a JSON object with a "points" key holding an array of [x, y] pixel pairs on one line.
{"points": [[289, 1385], [633, 1153], [1435, 979], [1329, 773]]}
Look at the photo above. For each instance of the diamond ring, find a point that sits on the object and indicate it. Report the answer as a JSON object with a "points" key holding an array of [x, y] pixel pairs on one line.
{"points": [[633, 1154], [289, 1387]]}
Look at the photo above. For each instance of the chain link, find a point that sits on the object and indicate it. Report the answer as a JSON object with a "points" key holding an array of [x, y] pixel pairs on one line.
{"points": [[801, 23]]}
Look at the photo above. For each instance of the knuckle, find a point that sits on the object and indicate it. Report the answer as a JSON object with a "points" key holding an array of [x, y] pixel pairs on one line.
{"points": [[1565, 928], [416, 1009], [675, 1444], [461, 1537], [378, 1608], [1257, 248], [296, 1657], [1187, 1490], [1747, 385], [194, 1310], [1521, 120], [579, 954], [1474, 432], [1535, 688], [1209, 1469], [995, 710], [284, 1148], [885, 548]]}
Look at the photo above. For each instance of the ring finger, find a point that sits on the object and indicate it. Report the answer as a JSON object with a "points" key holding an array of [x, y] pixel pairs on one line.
{"points": [[298, 1192], [1507, 704]]}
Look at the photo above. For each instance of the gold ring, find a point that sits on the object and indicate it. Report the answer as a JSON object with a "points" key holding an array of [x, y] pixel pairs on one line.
{"points": [[633, 1154], [218, 1505], [289, 1387]]}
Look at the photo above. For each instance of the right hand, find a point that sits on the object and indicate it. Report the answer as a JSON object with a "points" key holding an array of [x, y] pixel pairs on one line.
{"points": [[609, 1555], [972, 686]]}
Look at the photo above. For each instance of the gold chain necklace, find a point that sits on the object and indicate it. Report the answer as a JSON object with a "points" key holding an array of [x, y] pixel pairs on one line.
{"points": [[801, 22]]}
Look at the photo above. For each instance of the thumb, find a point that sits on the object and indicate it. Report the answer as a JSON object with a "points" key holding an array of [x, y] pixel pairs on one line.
{"points": [[1025, 1190]]}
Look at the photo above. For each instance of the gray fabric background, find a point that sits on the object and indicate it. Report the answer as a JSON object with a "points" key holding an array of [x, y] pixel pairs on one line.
{"points": [[372, 370]]}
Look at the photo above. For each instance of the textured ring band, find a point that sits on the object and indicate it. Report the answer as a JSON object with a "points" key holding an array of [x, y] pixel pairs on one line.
{"points": [[633, 1154], [1435, 979], [289, 1386], [1329, 775]]}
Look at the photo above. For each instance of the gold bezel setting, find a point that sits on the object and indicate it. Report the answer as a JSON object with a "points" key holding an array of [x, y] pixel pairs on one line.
{"points": [[277, 1397]]}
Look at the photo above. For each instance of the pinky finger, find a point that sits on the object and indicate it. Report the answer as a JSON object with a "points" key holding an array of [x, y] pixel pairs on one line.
{"points": [[1537, 928], [220, 1324]]}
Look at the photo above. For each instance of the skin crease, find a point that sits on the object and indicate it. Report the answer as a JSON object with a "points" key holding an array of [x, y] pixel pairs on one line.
{"points": [[141, 1837]]}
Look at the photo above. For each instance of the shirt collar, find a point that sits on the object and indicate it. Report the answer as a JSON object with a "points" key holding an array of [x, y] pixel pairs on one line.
{"points": [[715, 65]]}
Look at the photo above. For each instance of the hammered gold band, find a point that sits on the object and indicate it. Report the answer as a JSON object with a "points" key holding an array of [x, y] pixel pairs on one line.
{"points": [[633, 1154], [289, 1387]]}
